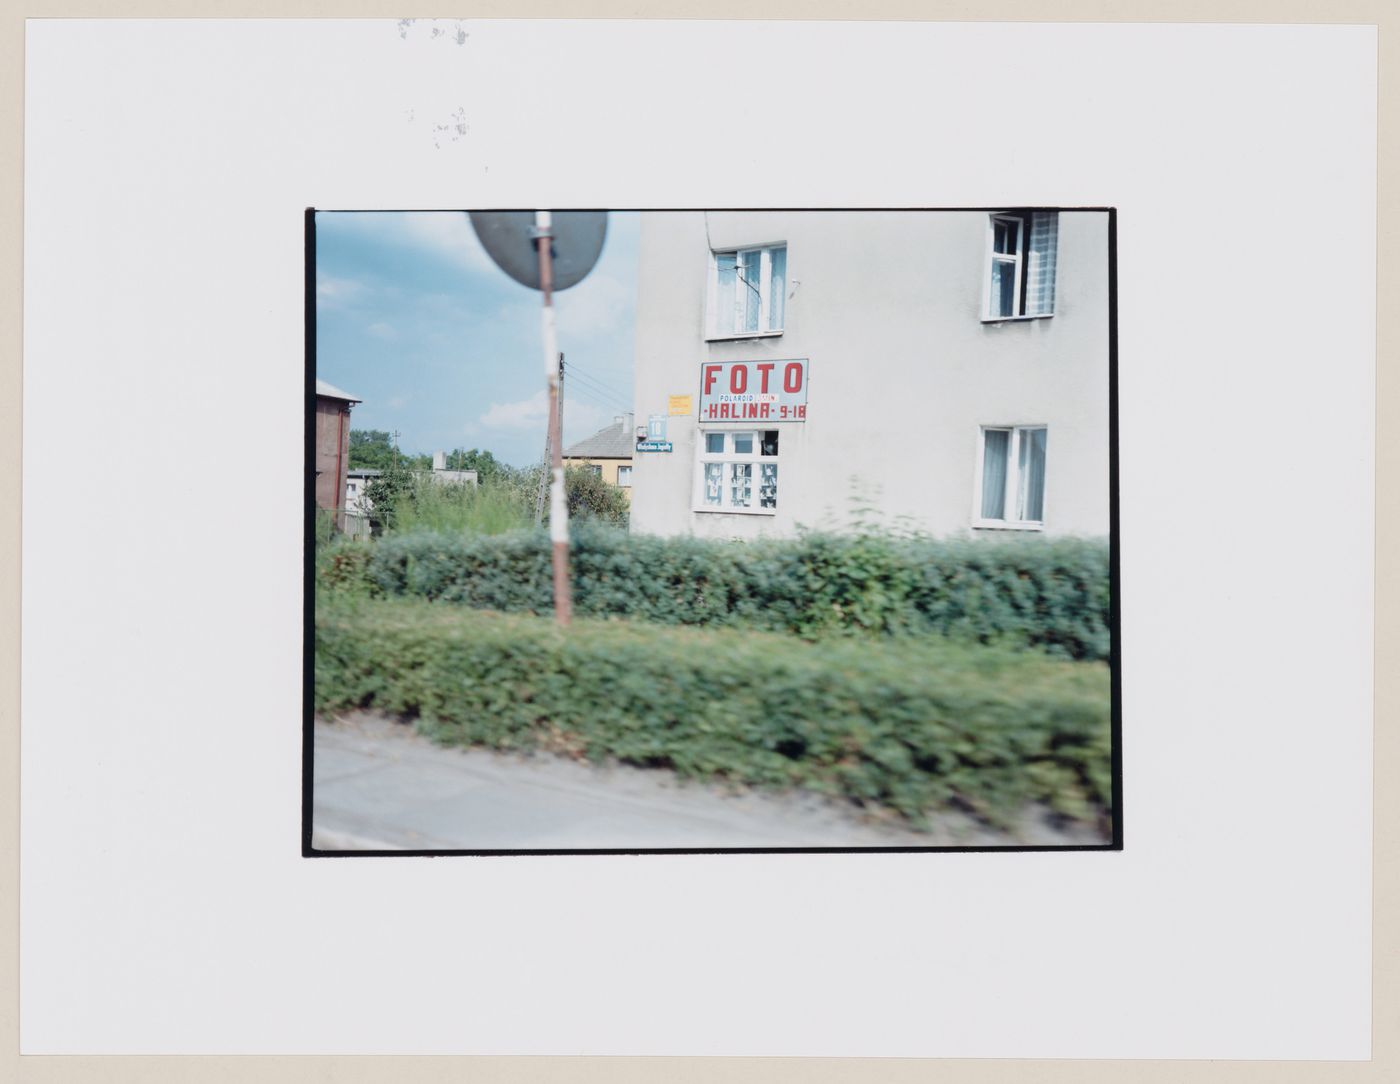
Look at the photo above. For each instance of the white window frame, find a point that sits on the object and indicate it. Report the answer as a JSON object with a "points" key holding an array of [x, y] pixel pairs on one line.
{"points": [[1013, 470], [730, 457], [1020, 258], [713, 329], [628, 468]]}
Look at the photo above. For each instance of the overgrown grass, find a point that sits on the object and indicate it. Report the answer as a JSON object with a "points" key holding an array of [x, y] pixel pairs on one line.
{"points": [[913, 726], [324, 528], [506, 503], [465, 509]]}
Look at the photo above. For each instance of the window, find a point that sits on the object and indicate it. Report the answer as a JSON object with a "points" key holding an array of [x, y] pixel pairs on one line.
{"points": [[737, 471], [624, 476], [595, 469], [747, 288], [1021, 264], [1012, 473]]}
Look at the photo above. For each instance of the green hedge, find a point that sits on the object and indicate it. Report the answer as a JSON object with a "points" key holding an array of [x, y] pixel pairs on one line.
{"points": [[1049, 594], [911, 726]]}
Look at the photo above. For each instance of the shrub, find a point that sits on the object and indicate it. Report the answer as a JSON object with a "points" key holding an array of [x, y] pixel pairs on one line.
{"points": [[342, 567], [911, 727], [589, 497], [1048, 594]]}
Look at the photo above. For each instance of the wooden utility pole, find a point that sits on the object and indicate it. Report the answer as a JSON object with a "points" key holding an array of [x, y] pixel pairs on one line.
{"points": [[543, 488]]}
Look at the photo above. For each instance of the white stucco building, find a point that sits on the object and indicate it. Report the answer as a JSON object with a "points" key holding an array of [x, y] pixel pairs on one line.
{"points": [[941, 370]]}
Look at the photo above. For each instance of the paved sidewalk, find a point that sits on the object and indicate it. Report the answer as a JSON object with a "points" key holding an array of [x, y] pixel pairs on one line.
{"points": [[381, 786]]}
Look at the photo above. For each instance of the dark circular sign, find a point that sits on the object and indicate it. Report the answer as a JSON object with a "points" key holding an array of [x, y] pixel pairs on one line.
{"points": [[509, 239]]}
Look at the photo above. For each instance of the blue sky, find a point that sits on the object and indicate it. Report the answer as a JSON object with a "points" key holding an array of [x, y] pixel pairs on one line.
{"points": [[414, 318]]}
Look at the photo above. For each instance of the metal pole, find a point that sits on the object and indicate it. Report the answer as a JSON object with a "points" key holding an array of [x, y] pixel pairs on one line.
{"points": [[558, 506]]}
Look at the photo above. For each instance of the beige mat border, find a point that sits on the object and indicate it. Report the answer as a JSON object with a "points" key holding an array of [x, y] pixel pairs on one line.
{"points": [[1385, 1065]]}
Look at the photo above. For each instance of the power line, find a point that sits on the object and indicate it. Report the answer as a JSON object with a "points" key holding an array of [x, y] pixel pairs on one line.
{"points": [[599, 401], [600, 392], [594, 380], [594, 384], [578, 366]]}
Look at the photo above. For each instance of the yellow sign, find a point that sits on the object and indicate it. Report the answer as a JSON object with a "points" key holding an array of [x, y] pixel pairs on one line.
{"points": [[680, 404]]}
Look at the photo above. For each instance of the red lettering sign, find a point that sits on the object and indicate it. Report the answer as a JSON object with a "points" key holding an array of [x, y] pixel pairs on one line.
{"points": [[725, 394]]}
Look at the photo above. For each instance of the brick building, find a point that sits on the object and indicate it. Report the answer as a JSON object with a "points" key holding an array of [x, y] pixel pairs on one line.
{"points": [[332, 447]]}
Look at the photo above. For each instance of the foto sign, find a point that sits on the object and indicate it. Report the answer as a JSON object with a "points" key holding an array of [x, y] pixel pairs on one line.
{"points": [[754, 391]]}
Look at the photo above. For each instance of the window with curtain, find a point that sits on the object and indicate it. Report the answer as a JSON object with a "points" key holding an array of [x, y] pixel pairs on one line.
{"points": [[1012, 484], [747, 290], [1021, 264], [737, 471]]}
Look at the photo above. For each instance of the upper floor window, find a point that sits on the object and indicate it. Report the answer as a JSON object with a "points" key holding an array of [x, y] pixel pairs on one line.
{"points": [[747, 288], [1021, 264], [624, 476]]}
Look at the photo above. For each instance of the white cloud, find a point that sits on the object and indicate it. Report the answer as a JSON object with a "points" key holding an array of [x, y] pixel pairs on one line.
{"points": [[380, 330], [580, 419], [398, 402], [531, 413], [447, 234], [596, 306], [583, 419], [336, 291]]}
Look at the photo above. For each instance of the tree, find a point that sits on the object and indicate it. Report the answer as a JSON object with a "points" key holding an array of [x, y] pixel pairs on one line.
{"points": [[488, 468], [387, 494], [371, 449]]}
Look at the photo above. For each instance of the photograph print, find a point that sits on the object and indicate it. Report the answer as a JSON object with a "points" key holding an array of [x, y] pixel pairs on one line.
{"points": [[708, 531]]}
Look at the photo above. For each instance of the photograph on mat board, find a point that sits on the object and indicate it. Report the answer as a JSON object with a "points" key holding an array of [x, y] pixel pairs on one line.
{"points": [[728, 530]]}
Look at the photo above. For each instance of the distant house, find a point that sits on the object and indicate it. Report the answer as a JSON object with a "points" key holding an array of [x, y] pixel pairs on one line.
{"points": [[442, 474], [607, 453], [332, 447], [356, 480]]}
